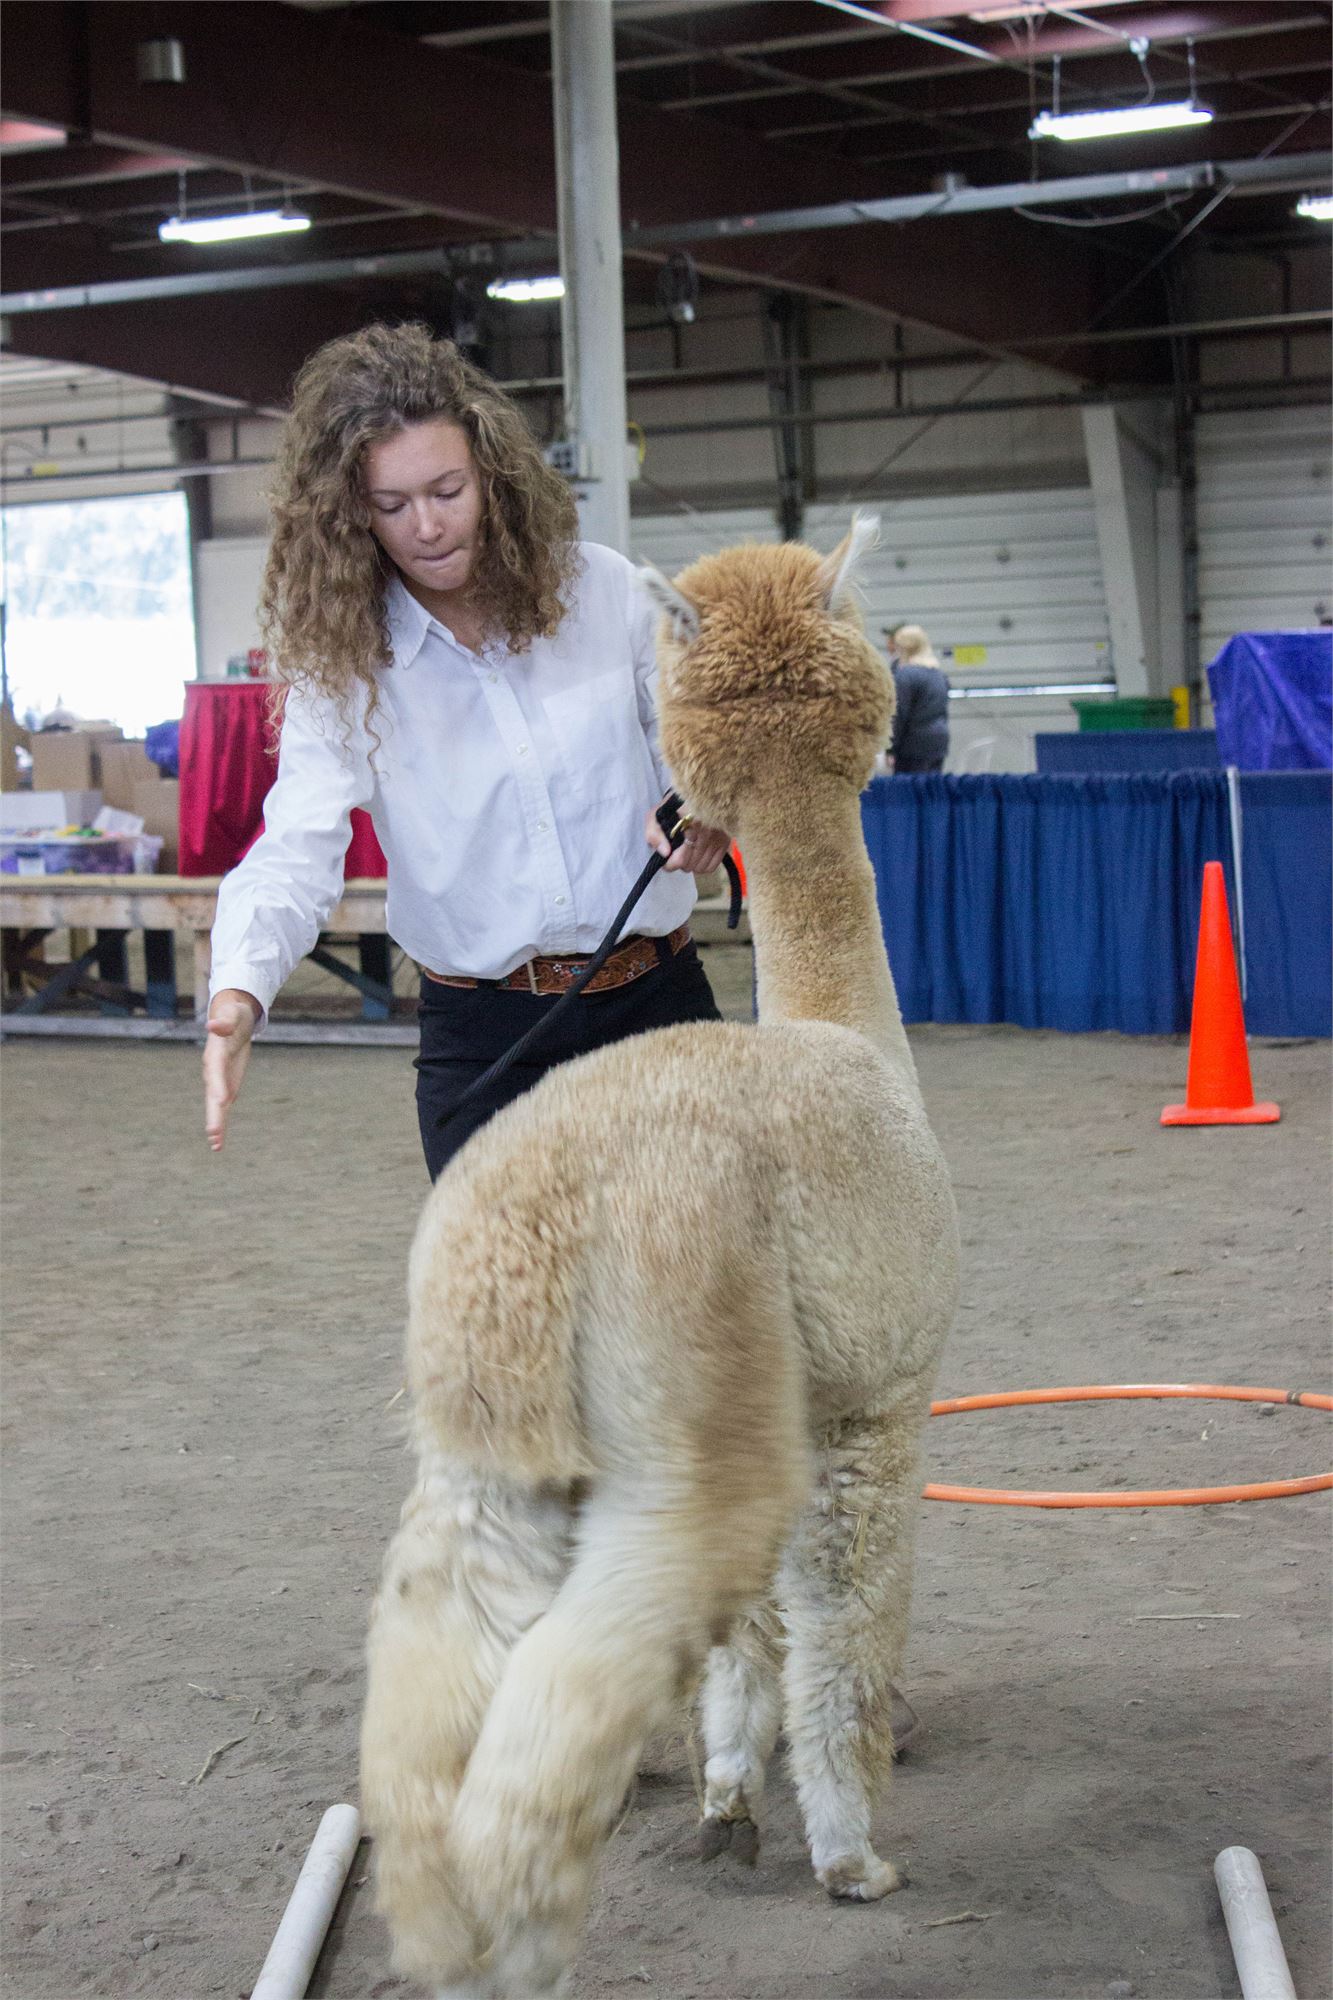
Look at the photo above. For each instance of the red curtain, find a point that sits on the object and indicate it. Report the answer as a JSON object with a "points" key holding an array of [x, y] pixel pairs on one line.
{"points": [[226, 768]]}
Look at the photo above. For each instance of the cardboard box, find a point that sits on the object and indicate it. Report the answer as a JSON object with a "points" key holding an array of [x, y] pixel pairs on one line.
{"points": [[12, 737], [124, 767], [158, 802], [68, 760], [26, 812]]}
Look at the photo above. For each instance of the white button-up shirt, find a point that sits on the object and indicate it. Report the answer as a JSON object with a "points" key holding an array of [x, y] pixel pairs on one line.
{"points": [[508, 792]]}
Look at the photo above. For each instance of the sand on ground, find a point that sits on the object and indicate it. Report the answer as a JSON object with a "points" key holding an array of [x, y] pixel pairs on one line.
{"points": [[204, 1460]]}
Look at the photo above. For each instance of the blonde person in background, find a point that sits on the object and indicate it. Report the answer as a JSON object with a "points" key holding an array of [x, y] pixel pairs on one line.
{"points": [[456, 661], [921, 708]]}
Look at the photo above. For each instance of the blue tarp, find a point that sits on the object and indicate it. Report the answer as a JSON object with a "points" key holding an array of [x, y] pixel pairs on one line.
{"points": [[1127, 750], [1073, 902], [1287, 870], [1273, 699]]}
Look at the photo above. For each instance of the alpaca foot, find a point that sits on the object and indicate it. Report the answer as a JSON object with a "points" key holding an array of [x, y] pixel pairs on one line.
{"points": [[739, 1836], [902, 1720], [860, 1878], [487, 1987]]}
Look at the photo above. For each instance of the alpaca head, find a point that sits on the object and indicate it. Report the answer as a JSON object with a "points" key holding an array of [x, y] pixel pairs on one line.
{"points": [[766, 674]]}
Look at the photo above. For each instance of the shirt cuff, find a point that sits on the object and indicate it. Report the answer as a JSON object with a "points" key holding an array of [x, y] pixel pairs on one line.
{"points": [[245, 979]]}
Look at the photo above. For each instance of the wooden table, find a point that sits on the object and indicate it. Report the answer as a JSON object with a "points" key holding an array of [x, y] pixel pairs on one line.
{"points": [[111, 906]]}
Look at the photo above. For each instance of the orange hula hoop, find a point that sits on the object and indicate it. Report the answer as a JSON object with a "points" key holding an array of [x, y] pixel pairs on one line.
{"points": [[1172, 1496]]}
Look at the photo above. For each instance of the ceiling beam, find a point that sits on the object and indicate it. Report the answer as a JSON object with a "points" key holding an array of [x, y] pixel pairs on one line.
{"points": [[1120, 17], [246, 348], [973, 92], [282, 91], [90, 166]]}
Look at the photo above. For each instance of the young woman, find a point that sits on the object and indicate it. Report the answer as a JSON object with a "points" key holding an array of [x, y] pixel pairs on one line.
{"points": [[456, 661]]}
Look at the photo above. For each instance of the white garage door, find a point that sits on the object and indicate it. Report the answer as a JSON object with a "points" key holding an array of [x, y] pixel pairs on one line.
{"points": [[1263, 507], [673, 540]]}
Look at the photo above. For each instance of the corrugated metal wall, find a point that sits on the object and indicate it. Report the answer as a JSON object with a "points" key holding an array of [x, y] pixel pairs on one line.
{"points": [[673, 540], [1264, 523]]}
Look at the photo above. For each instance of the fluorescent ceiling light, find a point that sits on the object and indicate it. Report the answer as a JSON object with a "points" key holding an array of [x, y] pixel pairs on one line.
{"points": [[231, 228], [526, 291], [1317, 207], [1111, 124]]}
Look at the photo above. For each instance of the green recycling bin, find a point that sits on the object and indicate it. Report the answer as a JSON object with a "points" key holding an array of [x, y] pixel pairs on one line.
{"points": [[1126, 711]]}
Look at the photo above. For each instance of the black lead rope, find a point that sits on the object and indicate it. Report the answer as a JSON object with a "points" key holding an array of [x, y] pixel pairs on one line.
{"points": [[669, 818]]}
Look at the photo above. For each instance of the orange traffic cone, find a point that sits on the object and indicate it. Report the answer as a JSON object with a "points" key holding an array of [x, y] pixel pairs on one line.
{"points": [[1218, 1090]]}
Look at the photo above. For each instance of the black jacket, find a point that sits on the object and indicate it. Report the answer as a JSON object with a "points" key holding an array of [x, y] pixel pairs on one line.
{"points": [[920, 719]]}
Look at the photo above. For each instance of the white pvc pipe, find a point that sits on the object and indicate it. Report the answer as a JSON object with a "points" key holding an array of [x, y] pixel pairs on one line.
{"points": [[1252, 1927], [286, 1971]]}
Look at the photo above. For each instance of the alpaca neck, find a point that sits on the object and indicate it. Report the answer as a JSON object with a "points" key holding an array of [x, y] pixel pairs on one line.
{"points": [[819, 947]]}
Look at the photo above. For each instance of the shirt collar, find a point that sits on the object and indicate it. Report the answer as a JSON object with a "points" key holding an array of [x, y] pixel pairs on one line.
{"points": [[408, 621]]}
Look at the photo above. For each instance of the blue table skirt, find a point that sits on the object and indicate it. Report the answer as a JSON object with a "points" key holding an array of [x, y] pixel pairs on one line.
{"points": [[1123, 750], [1073, 902]]}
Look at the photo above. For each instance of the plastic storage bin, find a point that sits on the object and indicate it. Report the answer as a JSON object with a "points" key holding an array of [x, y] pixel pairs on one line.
{"points": [[120, 854]]}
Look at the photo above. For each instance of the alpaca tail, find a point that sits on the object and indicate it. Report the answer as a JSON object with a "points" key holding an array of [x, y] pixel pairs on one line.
{"points": [[662, 1566], [473, 1564]]}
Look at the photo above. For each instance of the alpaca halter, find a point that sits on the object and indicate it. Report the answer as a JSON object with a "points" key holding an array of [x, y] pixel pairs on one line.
{"points": [[675, 823]]}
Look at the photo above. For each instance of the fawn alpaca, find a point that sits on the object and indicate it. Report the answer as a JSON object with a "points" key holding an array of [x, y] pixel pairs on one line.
{"points": [[674, 1322]]}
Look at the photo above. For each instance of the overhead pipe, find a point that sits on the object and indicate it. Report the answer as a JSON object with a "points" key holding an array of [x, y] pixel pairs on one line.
{"points": [[1296, 168]]}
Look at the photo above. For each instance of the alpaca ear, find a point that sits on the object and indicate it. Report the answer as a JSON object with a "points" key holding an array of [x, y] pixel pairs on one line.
{"points": [[683, 614], [838, 571]]}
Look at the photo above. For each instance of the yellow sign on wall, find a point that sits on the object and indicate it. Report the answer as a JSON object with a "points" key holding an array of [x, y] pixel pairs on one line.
{"points": [[969, 656]]}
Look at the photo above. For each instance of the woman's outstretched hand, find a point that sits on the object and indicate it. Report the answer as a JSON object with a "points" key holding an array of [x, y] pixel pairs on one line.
{"points": [[231, 1025]]}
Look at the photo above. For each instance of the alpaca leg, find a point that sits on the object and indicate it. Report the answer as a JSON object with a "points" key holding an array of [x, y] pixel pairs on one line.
{"points": [[845, 1591], [474, 1563], [658, 1575], [742, 1713]]}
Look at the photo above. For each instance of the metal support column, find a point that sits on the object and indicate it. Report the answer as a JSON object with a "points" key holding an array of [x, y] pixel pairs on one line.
{"points": [[190, 446], [1187, 466], [592, 314], [788, 397], [1124, 478]]}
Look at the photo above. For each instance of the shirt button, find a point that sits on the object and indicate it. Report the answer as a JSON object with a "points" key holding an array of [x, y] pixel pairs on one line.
{"points": [[542, 826], [522, 749], [492, 678], [559, 901]]}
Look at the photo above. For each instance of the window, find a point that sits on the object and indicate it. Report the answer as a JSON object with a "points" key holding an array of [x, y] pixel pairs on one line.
{"points": [[98, 608]]}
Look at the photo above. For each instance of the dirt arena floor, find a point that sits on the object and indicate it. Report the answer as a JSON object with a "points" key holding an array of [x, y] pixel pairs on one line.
{"points": [[203, 1462]]}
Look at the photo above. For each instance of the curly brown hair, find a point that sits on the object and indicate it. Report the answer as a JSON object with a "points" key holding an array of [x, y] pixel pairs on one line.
{"points": [[322, 602]]}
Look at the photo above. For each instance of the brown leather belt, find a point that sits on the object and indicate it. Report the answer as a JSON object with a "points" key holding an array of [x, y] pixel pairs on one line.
{"points": [[556, 975]]}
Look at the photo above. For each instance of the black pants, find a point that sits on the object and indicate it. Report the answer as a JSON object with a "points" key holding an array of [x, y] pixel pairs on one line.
{"points": [[464, 1029]]}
